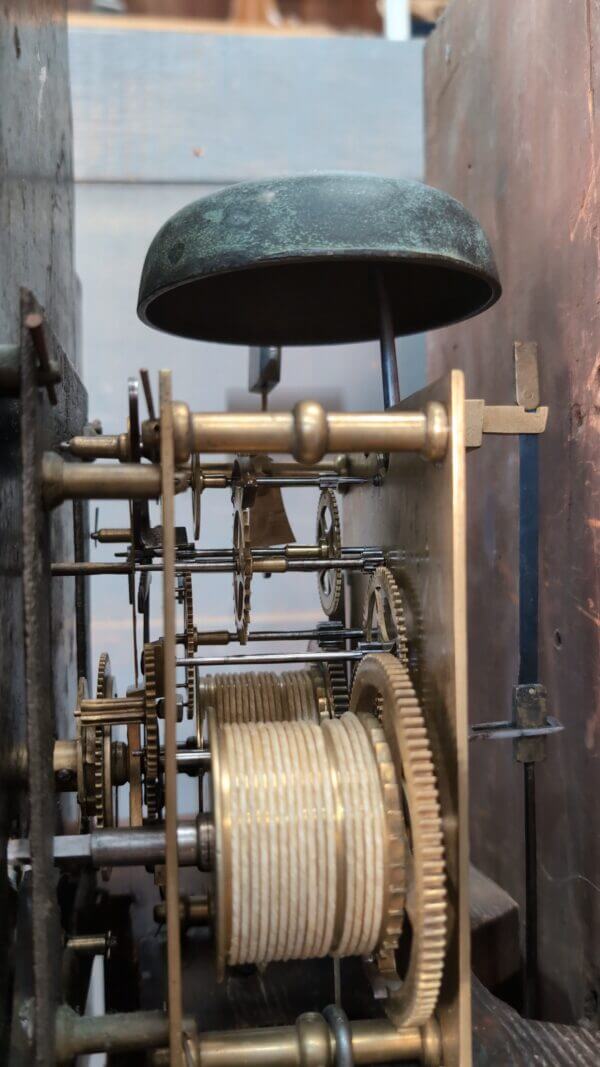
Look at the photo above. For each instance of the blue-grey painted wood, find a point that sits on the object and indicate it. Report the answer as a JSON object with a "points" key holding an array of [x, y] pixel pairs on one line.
{"points": [[174, 107]]}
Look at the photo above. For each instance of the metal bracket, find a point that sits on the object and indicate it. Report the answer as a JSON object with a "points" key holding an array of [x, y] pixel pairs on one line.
{"points": [[529, 727], [524, 417], [265, 369], [45, 347]]}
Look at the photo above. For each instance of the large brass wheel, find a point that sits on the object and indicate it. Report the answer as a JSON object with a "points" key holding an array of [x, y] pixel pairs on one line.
{"points": [[382, 685]]}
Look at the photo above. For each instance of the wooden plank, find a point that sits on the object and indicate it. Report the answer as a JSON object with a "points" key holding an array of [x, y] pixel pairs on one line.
{"points": [[254, 11], [198, 122], [36, 250], [429, 10], [288, 16], [513, 131], [159, 23], [501, 1036]]}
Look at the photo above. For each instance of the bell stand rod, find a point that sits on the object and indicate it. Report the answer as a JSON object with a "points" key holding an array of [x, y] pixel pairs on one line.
{"points": [[389, 361]]}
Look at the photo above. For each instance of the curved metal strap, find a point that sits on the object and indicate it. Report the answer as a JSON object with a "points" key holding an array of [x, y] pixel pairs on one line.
{"points": [[340, 1027]]}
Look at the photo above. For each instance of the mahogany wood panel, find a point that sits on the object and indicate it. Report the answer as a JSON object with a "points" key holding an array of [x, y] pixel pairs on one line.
{"points": [[512, 93], [343, 14]]}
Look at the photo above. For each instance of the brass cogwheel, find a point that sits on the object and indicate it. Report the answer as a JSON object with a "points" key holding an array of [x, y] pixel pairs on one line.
{"points": [[394, 907], [242, 567], [382, 683], [152, 776], [338, 684], [329, 532], [319, 682], [103, 806], [190, 644], [84, 736], [384, 619]]}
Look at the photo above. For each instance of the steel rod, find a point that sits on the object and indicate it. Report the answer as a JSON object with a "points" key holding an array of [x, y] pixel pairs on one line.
{"points": [[117, 847], [188, 555], [389, 360], [167, 472], [308, 482], [262, 564], [528, 674], [531, 892], [307, 635], [225, 637], [342, 656]]}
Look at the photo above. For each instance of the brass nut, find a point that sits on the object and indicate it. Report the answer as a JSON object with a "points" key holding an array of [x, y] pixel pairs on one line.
{"points": [[311, 432]]}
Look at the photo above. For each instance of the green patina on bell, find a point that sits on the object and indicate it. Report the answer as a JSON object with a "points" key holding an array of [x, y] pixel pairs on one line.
{"points": [[293, 261]]}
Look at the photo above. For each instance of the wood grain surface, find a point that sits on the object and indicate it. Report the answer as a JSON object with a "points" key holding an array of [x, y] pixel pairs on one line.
{"points": [[513, 132]]}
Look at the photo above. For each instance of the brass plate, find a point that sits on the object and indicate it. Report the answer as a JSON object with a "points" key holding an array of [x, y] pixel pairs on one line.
{"points": [[418, 518]]}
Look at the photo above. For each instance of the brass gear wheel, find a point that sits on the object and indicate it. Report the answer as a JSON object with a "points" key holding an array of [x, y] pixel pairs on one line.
{"points": [[152, 776], [384, 618], [329, 532], [242, 567], [338, 685], [397, 846], [381, 683], [103, 805], [190, 644], [84, 736]]}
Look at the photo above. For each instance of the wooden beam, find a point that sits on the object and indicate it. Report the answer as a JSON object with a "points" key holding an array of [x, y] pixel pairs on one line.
{"points": [[256, 12], [429, 10], [222, 27]]}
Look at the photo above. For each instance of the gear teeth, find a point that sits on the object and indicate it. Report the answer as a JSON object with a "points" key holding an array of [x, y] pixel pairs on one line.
{"points": [[339, 687], [99, 805], [382, 676], [103, 675], [331, 598], [383, 592], [242, 574], [152, 774], [391, 928], [190, 644]]}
